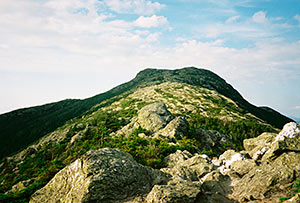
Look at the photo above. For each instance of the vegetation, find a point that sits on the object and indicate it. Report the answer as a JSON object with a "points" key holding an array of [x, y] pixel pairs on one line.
{"points": [[236, 131]]}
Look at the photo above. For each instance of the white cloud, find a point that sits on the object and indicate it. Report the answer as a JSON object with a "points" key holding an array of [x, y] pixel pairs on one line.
{"points": [[54, 38], [260, 17], [141, 7], [232, 19], [297, 17], [153, 21], [297, 107]]}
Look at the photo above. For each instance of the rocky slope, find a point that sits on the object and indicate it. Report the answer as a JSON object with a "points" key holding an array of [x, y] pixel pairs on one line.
{"points": [[21, 127], [159, 137], [263, 172], [169, 127]]}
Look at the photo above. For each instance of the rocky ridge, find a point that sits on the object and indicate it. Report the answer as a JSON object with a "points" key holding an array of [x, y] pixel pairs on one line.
{"points": [[22, 127], [263, 172]]}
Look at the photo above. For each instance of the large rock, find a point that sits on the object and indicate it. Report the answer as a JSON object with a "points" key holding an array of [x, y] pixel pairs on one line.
{"points": [[106, 175], [154, 117], [192, 169], [177, 157], [175, 192], [287, 140], [269, 178], [216, 187], [235, 162], [174, 130], [258, 146]]}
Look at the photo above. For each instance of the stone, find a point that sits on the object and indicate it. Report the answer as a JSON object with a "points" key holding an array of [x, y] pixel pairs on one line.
{"points": [[175, 129], [128, 129], [177, 157], [287, 140], [216, 187], [227, 158], [154, 117], [191, 169], [105, 175], [243, 167], [175, 192], [268, 178], [27, 152], [257, 147], [252, 143]]}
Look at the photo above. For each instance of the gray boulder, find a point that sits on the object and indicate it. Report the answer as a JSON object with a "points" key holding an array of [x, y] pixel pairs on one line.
{"points": [[268, 146], [235, 162], [192, 169], [216, 187], [154, 117], [287, 140], [175, 192], [177, 157], [105, 175], [258, 146], [174, 130], [268, 178]]}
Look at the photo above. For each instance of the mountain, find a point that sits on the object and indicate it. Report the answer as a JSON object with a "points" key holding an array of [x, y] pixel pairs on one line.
{"points": [[149, 119], [21, 127]]}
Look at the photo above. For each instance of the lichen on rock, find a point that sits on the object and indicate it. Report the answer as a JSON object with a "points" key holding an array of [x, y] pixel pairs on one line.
{"points": [[106, 175]]}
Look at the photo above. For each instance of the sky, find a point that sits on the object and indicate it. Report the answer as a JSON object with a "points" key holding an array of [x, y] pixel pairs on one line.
{"points": [[56, 49]]}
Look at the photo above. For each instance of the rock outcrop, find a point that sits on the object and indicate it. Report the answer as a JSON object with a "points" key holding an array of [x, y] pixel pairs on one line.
{"points": [[154, 117], [159, 122], [265, 171], [106, 175]]}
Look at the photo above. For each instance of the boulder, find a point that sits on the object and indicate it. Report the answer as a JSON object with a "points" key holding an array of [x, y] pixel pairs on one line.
{"points": [[268, 178], [191, 169], [105, 175], [174, 130], [177, 157], [258, 146], [216, 187], [243, 167], [154, 117], [287, 140], [261, 140], [175, 192]]}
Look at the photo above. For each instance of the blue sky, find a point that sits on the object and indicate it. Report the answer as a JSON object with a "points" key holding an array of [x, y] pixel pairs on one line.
{"points": [[56, 49]]}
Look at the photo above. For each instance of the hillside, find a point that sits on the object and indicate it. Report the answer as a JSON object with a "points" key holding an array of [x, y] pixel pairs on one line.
{"points": [[21, 127], [181, 116]]}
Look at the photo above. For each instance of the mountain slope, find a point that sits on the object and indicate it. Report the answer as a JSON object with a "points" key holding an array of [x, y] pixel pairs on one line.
{"points": [[24, 126]]}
